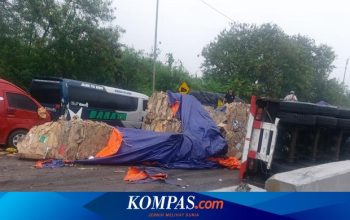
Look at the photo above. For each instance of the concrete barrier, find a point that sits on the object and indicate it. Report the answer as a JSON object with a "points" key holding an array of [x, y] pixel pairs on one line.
{"points": [[322, 178]]}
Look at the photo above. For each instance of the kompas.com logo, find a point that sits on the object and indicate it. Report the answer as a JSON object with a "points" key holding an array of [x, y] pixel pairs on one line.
{"points": [[172, 203]]}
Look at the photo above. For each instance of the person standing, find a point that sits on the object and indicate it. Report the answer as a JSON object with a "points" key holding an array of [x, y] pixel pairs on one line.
{"points": [[230, 96], [291, 97]]}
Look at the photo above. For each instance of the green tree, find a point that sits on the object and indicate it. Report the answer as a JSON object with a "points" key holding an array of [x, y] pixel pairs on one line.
{"points": [[135, 73], [69, 38], [245, 54]]}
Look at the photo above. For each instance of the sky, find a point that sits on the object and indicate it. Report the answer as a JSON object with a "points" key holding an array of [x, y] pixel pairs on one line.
{"points": [[185, 27]]}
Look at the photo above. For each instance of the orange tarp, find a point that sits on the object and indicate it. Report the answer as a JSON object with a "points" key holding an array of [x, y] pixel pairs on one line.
{"points": [[228, 162], [113, 144], [175, 108], [51, 163], [135, 174]]}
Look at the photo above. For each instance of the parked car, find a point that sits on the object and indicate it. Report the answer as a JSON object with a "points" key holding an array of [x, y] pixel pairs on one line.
{"points": [[72, 98], [18, 113]]}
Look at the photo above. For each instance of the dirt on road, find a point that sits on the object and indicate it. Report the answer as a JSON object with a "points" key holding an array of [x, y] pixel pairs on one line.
{"points": [[20, 175]]}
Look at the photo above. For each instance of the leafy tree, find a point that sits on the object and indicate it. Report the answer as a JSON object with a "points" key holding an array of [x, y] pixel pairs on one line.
{"points": [[245, 54], [75, 39], [70, 38], [135, 73]]}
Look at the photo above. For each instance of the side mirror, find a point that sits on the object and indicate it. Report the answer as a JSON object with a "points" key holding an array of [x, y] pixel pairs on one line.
{"points": [[42, 112]]}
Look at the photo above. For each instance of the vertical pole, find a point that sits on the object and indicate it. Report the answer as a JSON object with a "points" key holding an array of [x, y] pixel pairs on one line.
{"points": [[155, 50]]}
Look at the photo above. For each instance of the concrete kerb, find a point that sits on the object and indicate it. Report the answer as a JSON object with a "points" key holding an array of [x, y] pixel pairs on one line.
{"points": [[328, 177]]}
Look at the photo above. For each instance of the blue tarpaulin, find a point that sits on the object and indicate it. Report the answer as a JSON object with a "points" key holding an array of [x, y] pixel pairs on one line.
{"points": [[199, 140]]}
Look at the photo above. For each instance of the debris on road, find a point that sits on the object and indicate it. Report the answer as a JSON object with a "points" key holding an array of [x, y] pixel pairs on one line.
{"points": [[51, 163], [145, 174], [11, 150], [231, 119], [150, 175], [90, 142], [243, 187], [199, 140], [227, 162], [20, 175]]}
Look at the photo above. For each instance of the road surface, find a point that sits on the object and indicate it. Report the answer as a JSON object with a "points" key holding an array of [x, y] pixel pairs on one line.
{"points": [[20, 175]]}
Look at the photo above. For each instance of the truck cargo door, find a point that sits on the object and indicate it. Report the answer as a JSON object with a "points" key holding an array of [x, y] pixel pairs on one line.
{"points": [[260, 140]]}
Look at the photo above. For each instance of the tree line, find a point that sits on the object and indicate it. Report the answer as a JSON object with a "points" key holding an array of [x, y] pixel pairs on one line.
{"points": [[77, 39], [267, 61]]}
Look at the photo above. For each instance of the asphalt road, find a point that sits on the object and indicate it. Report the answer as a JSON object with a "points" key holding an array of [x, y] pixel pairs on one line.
{"points": [[20, 175]]}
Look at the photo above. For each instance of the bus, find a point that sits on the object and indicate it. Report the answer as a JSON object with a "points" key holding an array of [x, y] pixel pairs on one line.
{"points": [[69, 98]]}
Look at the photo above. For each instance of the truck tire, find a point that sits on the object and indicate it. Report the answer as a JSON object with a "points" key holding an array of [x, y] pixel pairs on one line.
{"points": [[343, 123], [326, 121], [328, 111], [298, 107], [294, 118], [15, 136]]}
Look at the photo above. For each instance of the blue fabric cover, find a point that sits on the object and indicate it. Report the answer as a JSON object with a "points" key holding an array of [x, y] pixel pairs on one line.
{"points": [[188, 150]]}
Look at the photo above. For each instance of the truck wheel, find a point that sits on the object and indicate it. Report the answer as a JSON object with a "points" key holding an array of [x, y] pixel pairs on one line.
{"points": [[328, 111], [15, 137], [299, 119], [298, 107]]}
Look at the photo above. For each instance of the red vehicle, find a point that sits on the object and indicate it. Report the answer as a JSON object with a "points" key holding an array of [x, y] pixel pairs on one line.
{"points": [[18, 113]]}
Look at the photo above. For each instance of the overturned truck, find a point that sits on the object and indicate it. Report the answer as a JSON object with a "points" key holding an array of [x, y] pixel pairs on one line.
{"points": [[284, 135]]}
